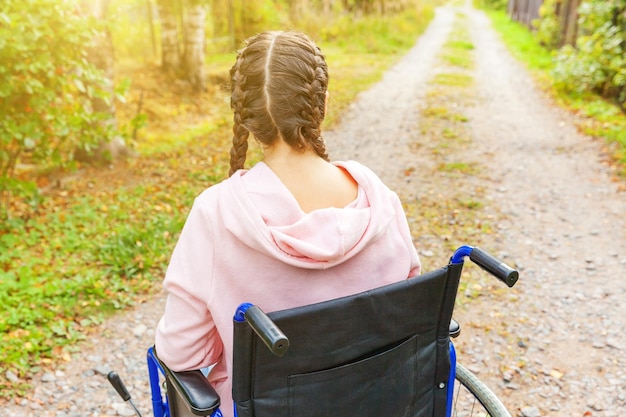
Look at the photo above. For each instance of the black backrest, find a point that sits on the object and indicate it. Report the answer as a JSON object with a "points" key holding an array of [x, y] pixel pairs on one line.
{"points": [[381, 352]]}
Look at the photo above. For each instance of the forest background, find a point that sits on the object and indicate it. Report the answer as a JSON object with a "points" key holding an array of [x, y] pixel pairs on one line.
{"points": [[115, 114]]}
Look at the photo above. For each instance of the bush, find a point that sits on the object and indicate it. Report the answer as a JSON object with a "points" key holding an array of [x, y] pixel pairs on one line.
{"points": [[598, 63], [46, 89], [549, 32]]}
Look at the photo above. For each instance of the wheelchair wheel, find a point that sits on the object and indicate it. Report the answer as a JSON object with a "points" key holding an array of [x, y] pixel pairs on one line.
{"points": [[473, 398]]}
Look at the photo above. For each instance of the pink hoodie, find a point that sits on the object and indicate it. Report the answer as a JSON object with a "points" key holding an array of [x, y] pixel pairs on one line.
{"points": [[247, 240]]}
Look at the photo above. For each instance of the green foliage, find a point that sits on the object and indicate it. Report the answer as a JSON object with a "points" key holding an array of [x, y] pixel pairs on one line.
{"points": [[370, 34], [522, 43], [46, 89], [549, 32], [62, 273], [598, 63], [492, 4]]}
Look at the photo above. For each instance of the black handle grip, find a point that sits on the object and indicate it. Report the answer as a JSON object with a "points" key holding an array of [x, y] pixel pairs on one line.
{"points": [[494, 266], [266, 329], [119, 386]]}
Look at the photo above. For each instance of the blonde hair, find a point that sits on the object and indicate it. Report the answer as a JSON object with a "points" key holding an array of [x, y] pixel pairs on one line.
{"points": [[278, 88]]}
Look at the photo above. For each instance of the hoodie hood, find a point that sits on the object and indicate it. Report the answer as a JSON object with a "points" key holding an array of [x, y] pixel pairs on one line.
{"points": [[260, 211]]}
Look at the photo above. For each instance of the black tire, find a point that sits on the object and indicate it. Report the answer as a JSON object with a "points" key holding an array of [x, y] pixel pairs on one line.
{"points": [[473, 398]]}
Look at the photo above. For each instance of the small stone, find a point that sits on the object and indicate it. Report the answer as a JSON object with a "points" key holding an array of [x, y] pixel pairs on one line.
{"points": [[530, 412], [140, 330], [596, 406], [102, 369], [123, 409], [34, 405], [11, 376], [507, 376], [48, 377], [613, 343]]}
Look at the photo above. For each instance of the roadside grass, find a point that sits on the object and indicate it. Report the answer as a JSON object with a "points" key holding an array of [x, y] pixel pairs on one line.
{"points": [[454, 79], [99, 240], [460, 168], [596, 116], [458, 60]]}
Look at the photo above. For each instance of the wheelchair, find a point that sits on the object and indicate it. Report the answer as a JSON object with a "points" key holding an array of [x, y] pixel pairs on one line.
{"points": [[386, 351]]}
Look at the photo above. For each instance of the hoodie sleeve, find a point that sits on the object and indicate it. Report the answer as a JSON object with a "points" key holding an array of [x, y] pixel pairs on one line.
{"points": [[186, 336], [405, 231]]}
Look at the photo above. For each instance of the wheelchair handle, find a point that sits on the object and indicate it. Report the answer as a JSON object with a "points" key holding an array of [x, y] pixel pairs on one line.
{"points": [[267, 330], [494, 266]]}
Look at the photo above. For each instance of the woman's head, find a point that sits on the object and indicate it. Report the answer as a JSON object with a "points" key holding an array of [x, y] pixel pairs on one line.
{"points": [[278, 89]]}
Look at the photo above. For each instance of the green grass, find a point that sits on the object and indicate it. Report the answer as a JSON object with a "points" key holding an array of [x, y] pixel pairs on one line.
{"points": [[457, 51], [464, 168], [458, 60], [440, 112], [600, 118], [77, 256], [454, 79], [459, 45]]}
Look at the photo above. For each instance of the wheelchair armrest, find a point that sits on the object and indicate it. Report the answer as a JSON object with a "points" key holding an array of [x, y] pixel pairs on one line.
{"points": [[195, 390]]}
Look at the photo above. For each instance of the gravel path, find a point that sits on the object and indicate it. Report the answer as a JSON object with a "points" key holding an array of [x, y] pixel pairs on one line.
{"points": [[554, 345]]}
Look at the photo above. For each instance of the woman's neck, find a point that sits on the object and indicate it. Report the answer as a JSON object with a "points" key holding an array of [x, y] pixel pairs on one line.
{"points": [[280, 157], [314, 182]]}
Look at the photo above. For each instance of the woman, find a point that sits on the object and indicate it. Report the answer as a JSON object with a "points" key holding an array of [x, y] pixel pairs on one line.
{"points": [[295, 229]]}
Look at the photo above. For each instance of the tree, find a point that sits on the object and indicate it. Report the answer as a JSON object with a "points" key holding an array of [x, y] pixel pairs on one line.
{"points": [[99, 52], [170, 46], [194, 35], [183, 39]]}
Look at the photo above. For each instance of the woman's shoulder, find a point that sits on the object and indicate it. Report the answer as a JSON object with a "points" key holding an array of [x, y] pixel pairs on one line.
{"points": [[210, 195], [234, 184], [361, 173]]}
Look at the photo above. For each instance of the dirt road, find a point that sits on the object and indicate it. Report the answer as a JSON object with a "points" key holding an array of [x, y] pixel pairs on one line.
{"points": [[555, 345], [552, 346]]}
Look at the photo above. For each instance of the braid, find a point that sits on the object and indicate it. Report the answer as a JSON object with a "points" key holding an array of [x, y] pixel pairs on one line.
{"points": [[240, 145], [239, 148], [317, 95]]}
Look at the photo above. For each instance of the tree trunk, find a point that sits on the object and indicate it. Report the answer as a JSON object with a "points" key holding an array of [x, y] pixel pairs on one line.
{"points": [[297, 9], [100, 54], [193, 58], [569, 20], [326, 7], [231, 25], [150, 10], [170, 50]]}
